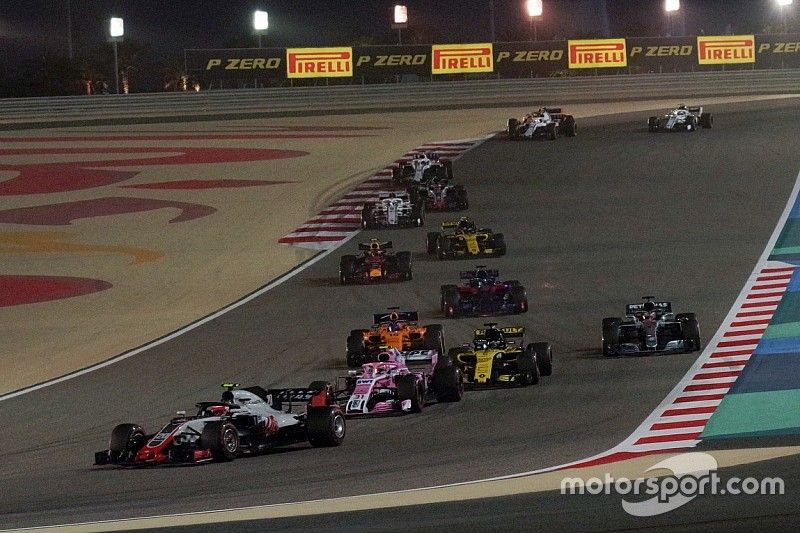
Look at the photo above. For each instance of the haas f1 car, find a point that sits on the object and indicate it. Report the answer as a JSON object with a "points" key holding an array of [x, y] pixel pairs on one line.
{"points": [[393, 210], [393, 381], [482, 294], [375, 264], [682, 118], [650, 328], [395, 329], [423, 167], [244, 421], [465, 242], [440, 195], [494, 359], [544, 123]]}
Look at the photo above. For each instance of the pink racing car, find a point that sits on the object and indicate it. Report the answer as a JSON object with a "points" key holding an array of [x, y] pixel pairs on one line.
{"points": [[400, 382]]}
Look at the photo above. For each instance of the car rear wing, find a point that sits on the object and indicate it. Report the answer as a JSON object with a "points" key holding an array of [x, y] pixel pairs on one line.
{"points": [[695, 109], [398, 195], [472, 274], [510, 331], [278, 397], [368, 245], [664, 307], [449, 225], [414, 358], [402, 316]]}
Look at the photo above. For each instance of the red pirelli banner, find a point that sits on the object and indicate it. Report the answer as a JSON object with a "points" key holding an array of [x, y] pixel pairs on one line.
{"points": [[597, 53], [726, 49], [319, 62], [462, 58]]}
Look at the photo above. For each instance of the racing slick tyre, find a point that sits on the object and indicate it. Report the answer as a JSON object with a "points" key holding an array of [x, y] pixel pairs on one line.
{"points": [[126, 439], [325, 426], [348, 267], [513, 128], [610, 335], [355, 349], [318, 385], [443, 248], [434, 338], [652, 124], [418, 215], [409, 389], [452, 355], [691, 124], [432, 242], [706, 120], [499, 244], [366, 217], [448, 383], [527, 368], [552, 131], [222, 439], [690, 329], [544, 357], [570, 127], [447, 166], [451, 301], [519, 298], [404, 265]]}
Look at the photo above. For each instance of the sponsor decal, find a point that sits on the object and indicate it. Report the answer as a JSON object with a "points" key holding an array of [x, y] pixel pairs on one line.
{"points": [[528, 56], [393, 60], [319, 62], [779, 48], [672, 50], [726, 49], [243, 63], [597, 53], [462, 58]]}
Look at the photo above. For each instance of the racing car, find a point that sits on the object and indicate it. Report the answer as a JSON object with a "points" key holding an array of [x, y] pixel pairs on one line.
{"points": [[245, 421], [440, 195], [682, 118], [494, 359], [466, 241], [375, 264], [545, 122], [650, 328], [393, 210], [482, 294], [422, 167], [393, 381], [395, 329]]}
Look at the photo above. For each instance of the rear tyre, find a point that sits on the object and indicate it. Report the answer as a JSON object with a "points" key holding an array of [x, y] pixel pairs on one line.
{"points": [[432, 242], [706, 120], [610, 335], [355, 349], [325, 426], [451, 301], [448, 383], [434, 338], [409, 389], [366, 217], [443, 248], [570, 127], [690, 329], [552, 132], [347, 269], [544, 357], [513, 128], [499, 244], [318, 385], [222, 439], [652, 124]]}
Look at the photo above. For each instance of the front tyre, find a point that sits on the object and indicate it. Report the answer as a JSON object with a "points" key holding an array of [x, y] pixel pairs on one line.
{"points": [[222, 439], [325, 426]]}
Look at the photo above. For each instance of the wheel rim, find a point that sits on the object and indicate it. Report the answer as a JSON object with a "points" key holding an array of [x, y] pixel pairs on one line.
{"points": [[230, 440], [338, 426]]}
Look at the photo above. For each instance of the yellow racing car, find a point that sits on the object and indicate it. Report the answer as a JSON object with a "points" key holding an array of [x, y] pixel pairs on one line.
{"points": [[466, 241], [494, 359]]}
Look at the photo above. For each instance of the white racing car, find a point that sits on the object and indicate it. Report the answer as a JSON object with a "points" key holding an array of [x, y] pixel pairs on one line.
{"points": [[682, 118], [244, 421], [393, 210], [546, 122], [423, 167]]}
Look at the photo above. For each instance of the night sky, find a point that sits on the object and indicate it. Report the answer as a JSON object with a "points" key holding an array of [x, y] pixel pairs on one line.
{"points": [[31, 28]]}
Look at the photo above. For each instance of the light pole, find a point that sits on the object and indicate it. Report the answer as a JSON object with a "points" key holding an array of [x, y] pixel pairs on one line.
{"points": [[534, 11], [783, 5], [671, 6], [116, 31], [260, 23], [399, 21]]}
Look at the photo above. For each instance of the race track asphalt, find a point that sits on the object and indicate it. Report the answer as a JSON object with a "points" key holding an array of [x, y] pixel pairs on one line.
{"points": [[591, 223]]}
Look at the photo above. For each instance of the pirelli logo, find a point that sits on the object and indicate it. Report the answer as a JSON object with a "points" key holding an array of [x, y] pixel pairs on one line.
{"points": [[597, 53], [319, 62], [726, 49], [462, 58]]}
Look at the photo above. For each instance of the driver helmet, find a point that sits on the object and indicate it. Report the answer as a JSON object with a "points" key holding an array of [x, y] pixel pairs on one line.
{"points": [[227, 397], [495, 338], [466, 224]]}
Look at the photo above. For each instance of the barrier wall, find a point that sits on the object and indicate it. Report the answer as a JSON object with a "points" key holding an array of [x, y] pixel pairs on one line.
{"points": [[362, 64]]}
